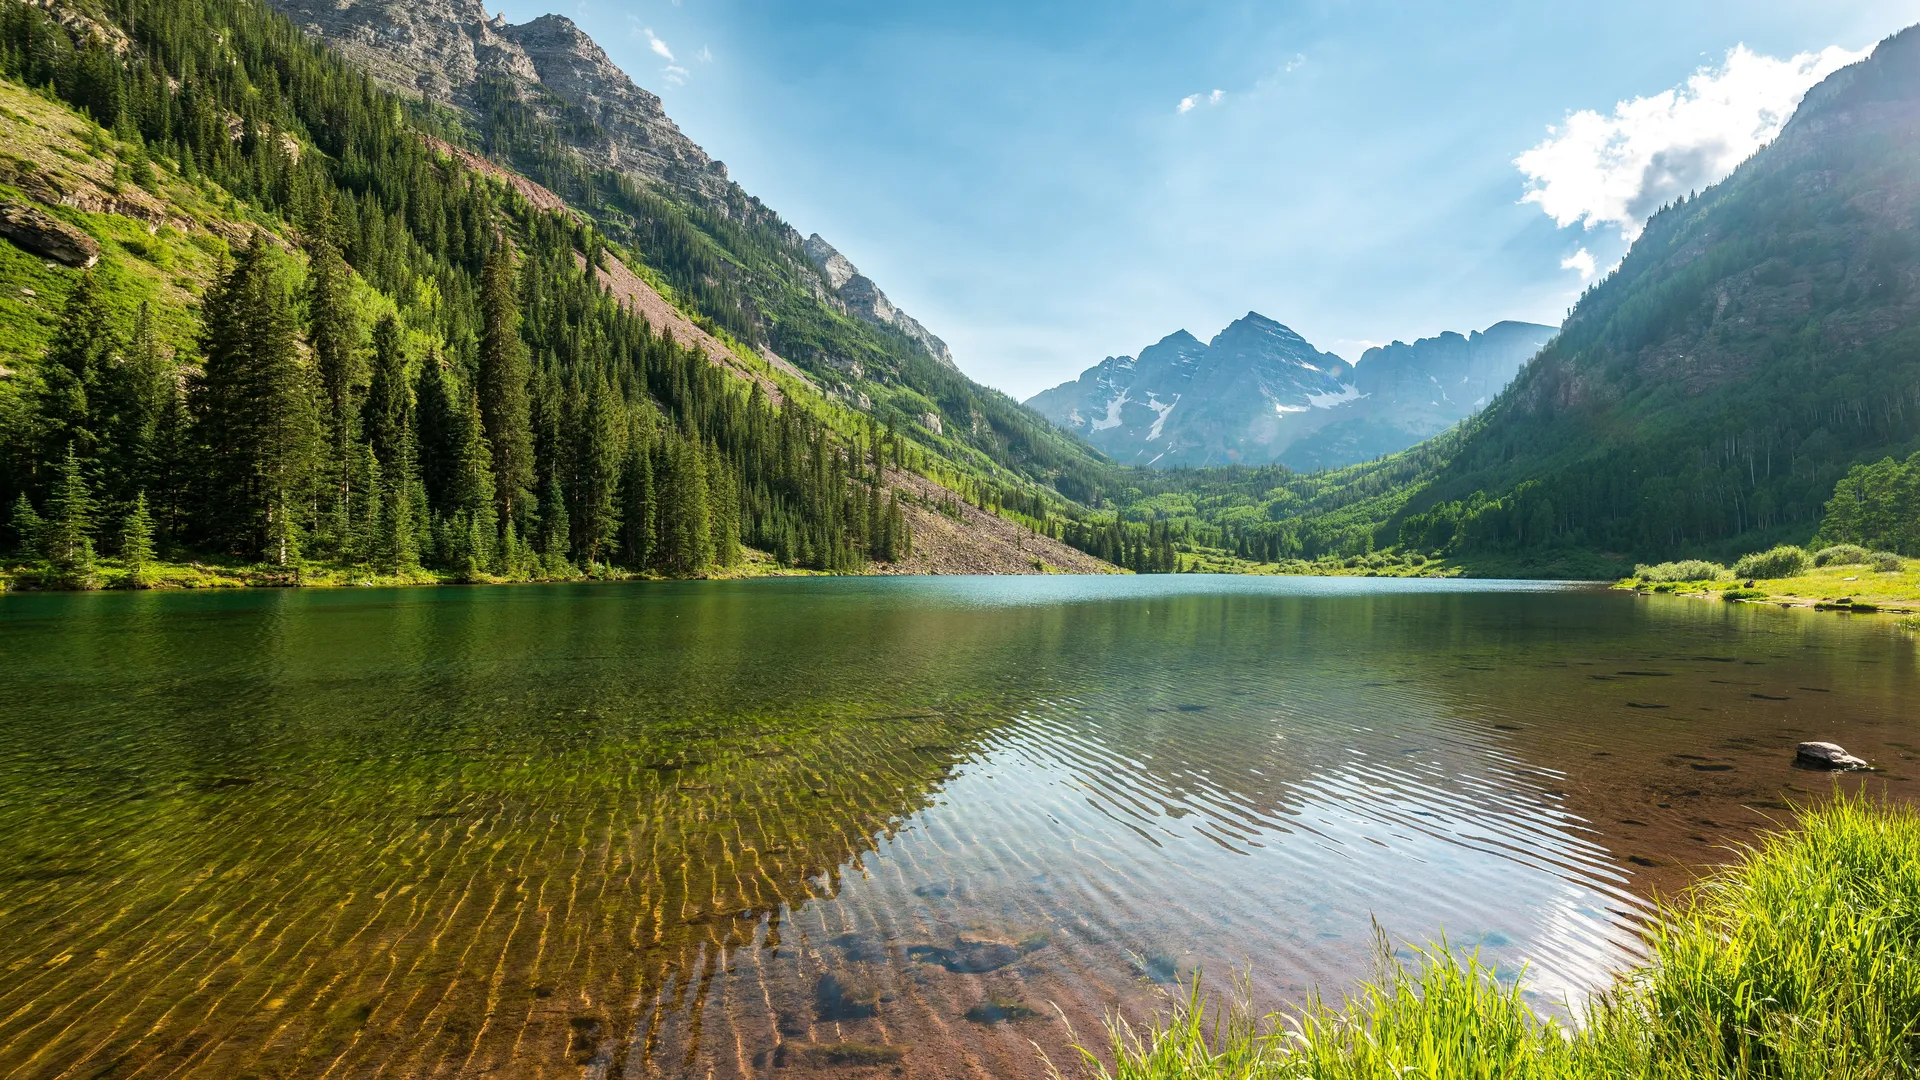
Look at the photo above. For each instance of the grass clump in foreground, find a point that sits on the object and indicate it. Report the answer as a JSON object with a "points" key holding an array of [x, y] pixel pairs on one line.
{"points": [[1800, 962]]}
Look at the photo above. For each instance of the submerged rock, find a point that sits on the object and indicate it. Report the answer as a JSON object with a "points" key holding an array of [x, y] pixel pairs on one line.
{"points": [[1826, 755], [44, 234]]}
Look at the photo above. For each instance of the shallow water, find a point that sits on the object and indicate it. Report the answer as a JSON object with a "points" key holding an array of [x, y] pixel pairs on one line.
{"points": [[851, 826]]}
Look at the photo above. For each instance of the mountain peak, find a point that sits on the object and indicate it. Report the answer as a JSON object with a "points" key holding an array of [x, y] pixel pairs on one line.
{"points": [[1260, 393]]}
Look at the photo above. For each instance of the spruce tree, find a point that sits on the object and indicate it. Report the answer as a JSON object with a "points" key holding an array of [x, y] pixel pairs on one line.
{"points": [[598, 472], [504, 373], [78, 359], [67, 536], [255, 410], [333, 335], [28, 529], [136, 543], [387, 414], [638, 511]]}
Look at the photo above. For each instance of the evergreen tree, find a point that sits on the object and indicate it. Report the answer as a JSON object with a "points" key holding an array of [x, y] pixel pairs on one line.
{"points": [[387, 414], [78, 359], [503, 386], [598, 473], [333, 336], [136, 543], [637, 525], [143, 400], [67, 536], [685, 536], [255, 411], [28, 529], [554, 539]]}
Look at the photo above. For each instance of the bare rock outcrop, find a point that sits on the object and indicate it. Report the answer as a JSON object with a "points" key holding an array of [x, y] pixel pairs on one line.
{"points": [[863, 299], [48, 236]]}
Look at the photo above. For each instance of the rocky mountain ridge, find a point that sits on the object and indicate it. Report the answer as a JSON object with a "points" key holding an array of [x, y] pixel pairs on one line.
{"points": [[864, 300], [1259, 393], [451, 52]]}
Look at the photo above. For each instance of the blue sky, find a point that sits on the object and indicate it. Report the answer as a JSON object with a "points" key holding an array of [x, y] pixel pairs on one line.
{"points": [[1024, 179]]}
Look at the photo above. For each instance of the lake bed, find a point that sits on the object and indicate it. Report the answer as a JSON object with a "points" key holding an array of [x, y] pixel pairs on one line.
{"points": [[909, 825]]}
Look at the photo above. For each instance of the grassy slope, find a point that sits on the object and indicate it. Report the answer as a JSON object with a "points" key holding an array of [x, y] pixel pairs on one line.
{"points": [[1800, 962]]}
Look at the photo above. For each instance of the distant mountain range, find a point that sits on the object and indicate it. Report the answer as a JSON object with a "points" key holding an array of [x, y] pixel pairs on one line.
{"points": [[1260, 394]]}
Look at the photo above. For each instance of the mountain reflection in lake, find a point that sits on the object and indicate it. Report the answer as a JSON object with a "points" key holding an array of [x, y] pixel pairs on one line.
{"points": [[899, 827]]}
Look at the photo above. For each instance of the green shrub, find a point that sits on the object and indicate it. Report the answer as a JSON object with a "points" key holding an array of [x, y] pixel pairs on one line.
{"points": [[1743, 594], [1782, 562], [1841, 555], [1684, 570], [1885, 562]]}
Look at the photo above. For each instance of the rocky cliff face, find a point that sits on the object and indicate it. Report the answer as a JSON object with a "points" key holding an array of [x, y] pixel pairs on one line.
{"points": [[861, 298], [452, 53], [1407, 393], [444, 50], [1259, 393]]}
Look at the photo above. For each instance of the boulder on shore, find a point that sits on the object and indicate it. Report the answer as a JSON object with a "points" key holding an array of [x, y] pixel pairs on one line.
{"points": [[1826, 755], [43, 234]]}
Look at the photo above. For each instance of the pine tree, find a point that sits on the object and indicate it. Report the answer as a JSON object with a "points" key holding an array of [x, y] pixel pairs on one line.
{"points": [[387, 414], [28, 529], [638, 511], [504, 373], [82, 351], [136, 543], [598, 472], [554, 541], [67, 536], [143, 400]]}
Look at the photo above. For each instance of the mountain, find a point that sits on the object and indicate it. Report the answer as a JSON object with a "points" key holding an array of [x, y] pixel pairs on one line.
{"points": [[1259, 394], [1411, 392], [863, 299], [497, 75], [1758, 340], [542, 99]]}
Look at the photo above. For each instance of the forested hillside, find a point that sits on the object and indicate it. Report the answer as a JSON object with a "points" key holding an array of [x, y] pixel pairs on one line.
{"points": [[1759, 339], [311, 335]]}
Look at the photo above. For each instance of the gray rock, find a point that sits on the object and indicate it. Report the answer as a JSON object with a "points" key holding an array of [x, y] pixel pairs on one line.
{"points": [[1826, 755], [864, 300], [47, 236]]}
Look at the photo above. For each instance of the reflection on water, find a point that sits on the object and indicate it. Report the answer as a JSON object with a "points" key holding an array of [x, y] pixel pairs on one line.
{"points": [[892, 827]]}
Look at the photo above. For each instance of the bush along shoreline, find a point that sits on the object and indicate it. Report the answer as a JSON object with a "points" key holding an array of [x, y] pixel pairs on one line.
{"points": [[1838, 577], [1801, 961]]}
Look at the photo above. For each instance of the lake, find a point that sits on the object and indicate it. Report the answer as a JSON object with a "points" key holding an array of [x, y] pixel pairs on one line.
{"points": [[850, 826]]}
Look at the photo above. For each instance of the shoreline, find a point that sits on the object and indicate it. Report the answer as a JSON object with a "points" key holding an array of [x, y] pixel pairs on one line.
{"points": [[1852, 590]]}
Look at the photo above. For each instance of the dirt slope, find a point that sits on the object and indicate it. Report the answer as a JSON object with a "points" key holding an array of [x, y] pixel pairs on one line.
{"points": [[979, 543]]}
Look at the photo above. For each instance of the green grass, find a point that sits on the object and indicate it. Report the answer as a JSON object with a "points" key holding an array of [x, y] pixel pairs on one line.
{"points": [[1800, 962]]}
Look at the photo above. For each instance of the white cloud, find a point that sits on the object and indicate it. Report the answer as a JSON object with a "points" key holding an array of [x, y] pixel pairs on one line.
{"points": [[675, 74], [1298, 59], [1193, 101], [1618, 169], [706, 55], [659, 47], [1582, 261]]}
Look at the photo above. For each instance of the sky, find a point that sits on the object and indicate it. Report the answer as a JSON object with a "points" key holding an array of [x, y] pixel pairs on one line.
{"points": [[1044, 185]]}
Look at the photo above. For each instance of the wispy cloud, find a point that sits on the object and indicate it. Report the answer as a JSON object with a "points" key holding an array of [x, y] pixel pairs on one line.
{"points": [[1583, 262], [1294, 64], [1618, 168], [659, 47], [675, 74], [1194, 101], [706, 55]]}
